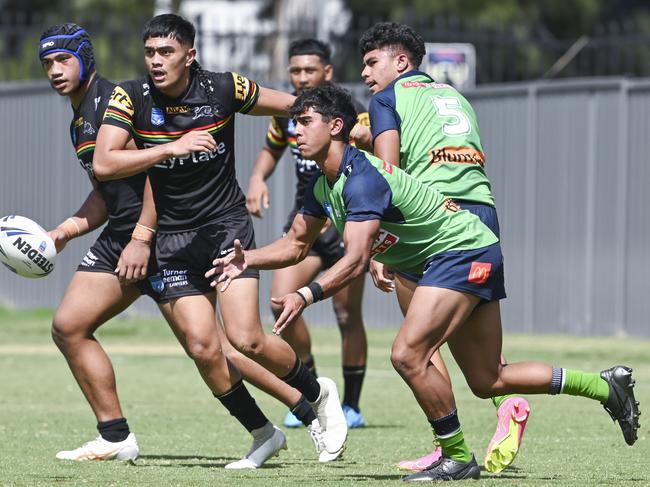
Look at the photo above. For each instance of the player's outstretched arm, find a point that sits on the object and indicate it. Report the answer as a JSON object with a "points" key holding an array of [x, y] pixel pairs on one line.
{"points": [[284, 252], [134, 260], [112, 160], [272, 102], [257, 196], [91, 215], [358, 238]]}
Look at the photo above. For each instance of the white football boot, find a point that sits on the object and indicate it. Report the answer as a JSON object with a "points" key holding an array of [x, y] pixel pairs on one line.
{"points": [[100, 449], [267, 442], [331, 419]]}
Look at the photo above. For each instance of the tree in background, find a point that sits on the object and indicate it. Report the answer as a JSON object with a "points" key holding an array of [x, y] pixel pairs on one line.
{"points": [[110, 23], [523, 39]]}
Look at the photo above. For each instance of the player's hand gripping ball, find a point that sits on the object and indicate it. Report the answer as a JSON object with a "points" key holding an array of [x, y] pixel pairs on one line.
{"points": [[25, 247]]}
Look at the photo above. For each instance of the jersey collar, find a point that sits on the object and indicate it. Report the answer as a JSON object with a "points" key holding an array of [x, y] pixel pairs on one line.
{"points": [[408, 74]]}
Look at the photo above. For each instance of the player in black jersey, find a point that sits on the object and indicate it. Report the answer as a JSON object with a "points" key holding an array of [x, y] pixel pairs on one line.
{"points": [[309, 67], [94, 294], [181, 117]]}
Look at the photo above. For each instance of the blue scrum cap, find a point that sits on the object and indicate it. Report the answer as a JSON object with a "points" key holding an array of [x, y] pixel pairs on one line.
{"points": [[72, 39]]}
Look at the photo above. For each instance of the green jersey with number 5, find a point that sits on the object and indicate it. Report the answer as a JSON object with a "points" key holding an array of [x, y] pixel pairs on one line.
{"points": [[440, 144]]}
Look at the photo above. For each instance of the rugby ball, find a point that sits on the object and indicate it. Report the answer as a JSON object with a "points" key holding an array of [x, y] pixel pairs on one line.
{"points": [[25, 248]]}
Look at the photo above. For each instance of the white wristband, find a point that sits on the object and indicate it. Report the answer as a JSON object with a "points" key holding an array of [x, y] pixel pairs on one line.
{"points": [[307, 295]]}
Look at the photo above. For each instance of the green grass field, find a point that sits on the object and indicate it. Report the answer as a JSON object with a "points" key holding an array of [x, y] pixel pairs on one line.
{"points": [[186, 437]]}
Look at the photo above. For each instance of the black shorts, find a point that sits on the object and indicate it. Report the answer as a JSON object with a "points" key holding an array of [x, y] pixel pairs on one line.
{"points": [[329, 246], [185, 257], [103, 257]]}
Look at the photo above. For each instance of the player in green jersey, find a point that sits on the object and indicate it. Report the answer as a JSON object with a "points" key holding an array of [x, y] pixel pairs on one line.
{"points": [[430, 130], [310, 66], [384, 213]]}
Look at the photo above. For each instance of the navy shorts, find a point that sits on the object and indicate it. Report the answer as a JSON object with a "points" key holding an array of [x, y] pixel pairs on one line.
{"points": [[328, 246], [488, 215], [185, 257], [103, 257], [478, 272]]}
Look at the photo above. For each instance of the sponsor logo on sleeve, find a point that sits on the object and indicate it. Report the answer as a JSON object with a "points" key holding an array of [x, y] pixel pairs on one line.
{"points": [[242, 86], [121, 100], [157, 116], [384, 241], [479, 272], [388, 167]]}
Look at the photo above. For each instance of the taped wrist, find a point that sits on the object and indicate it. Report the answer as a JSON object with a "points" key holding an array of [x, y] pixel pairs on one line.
{"points": [[311, 293], [71, 228], [142, 233]]}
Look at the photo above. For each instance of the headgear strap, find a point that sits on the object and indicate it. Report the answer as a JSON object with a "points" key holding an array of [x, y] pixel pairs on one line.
{"points": [[78, 44]]}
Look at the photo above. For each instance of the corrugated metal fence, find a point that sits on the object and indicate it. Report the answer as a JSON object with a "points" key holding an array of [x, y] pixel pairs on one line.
{"points": [[568, 164]]}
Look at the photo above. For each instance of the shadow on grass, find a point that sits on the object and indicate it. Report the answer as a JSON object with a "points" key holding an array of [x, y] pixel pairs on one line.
{"points": [[379, 426], [185, 457], [186, 461]]}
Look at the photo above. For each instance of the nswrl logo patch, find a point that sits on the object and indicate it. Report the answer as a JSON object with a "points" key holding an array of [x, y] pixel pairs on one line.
{"points": [[157, 283], [157, 116]]}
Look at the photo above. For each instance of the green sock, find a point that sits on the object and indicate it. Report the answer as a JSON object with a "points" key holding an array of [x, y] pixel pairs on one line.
{"points": [[454, 447], [498, 400], [585, 384]]}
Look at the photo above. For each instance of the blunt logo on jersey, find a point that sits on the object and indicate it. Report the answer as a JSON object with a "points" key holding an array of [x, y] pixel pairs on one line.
{"points": [[383, 242], [157, 116], [457, 155], [388, 167], [479, 272]]}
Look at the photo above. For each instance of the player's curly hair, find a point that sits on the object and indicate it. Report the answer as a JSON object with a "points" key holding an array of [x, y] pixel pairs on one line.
{"points": [[389, 34], [302, 47], [176, 27], [331, 102]]}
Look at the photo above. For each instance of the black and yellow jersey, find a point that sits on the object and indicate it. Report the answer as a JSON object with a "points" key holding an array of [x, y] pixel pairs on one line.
{"points": [[123, 197], [200, 187]]}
